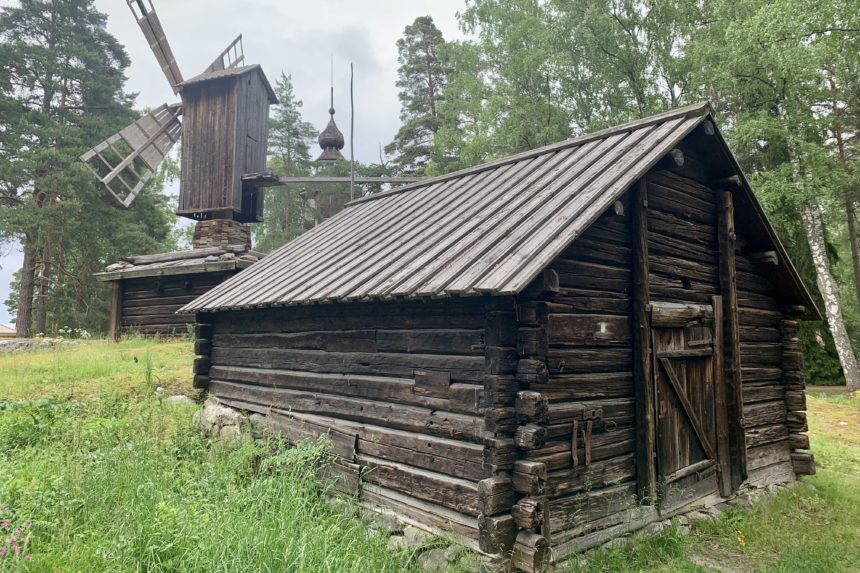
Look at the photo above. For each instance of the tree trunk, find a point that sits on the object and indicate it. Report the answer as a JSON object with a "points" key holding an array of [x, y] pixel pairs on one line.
{"points": [[26, 288], [851, 215], [830, 293], [41, 306]]}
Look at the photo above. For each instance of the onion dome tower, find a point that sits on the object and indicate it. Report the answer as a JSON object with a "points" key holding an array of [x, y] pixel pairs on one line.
{"points": [[331, 139]]}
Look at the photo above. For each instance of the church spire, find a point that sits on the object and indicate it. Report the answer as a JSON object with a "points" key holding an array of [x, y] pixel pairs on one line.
{"points": [[331, 139]]}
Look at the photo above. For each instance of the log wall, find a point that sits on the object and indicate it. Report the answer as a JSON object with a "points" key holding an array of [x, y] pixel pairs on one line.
{"points": [[576, 430], [149, 305], [416, 397], [576, 477]]}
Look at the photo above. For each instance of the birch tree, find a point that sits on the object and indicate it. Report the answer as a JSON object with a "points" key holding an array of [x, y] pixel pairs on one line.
{"points": [[764, 63]]}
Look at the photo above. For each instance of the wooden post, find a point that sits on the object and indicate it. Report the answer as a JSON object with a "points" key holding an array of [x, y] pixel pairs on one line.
{"points": [[722, 414], [115, 311], [646, 467], [734, 389]]}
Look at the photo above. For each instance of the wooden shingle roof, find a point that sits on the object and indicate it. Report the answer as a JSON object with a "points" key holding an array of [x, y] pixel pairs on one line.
{"points": [[232, 73], [489, 229]]}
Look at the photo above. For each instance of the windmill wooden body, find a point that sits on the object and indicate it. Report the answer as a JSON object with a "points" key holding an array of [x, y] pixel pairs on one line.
{"points": [[222, 122]]}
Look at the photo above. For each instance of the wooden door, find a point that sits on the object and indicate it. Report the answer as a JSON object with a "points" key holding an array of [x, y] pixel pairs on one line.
{"points": [[685, 353]]}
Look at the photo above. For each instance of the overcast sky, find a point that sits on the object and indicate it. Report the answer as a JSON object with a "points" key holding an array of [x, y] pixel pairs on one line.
{"points": [[297, 37]]}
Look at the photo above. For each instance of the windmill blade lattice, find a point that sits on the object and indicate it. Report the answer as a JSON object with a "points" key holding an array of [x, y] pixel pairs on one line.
{"points": [[232, 57], [127, 160], [154, 33]]}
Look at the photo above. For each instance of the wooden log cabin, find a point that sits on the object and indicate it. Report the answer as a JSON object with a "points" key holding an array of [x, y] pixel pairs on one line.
{"points": [[537, 354], [147, 290]]}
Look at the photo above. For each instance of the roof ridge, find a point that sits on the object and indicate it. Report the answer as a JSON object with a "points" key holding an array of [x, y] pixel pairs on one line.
{"points": [[701, 108]]}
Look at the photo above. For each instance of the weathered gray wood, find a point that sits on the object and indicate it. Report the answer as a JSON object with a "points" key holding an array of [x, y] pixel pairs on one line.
{"points": [[670, 314], [202, 347], [188, 269], [720, 406], [115, 311], [500, 328], [430, 383], [532, 342], [590, 507], [495, 495], [410, 418], [453, 493], [530, 436], [500, 360], [200, 382], [588, 329], [528, 513], [529, 477], [496, 534], [644, 390], [692, 415], [798, 441], [174, 256], [417, 511], [531, 552], [453, 457], [589, 360], [202, 365], [796, 422], [673, 159], [729, 291], [804, 464], [531, 407], [795, 400], [461, 398], [547, 283], [762, 435], [582, 478], [764, 413], [768, 454], [461, 368], [531, 371]]}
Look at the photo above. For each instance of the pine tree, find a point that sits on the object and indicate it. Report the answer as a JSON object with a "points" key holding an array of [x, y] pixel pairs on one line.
{"points": [[61, 90], [421, 79], [290, 141]]}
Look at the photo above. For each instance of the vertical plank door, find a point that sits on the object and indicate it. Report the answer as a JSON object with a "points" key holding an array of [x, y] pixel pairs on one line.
{"points": [[685, 391]]}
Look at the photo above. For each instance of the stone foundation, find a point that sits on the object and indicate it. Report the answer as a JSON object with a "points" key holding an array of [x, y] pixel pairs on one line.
{"points": [[221, 233]]}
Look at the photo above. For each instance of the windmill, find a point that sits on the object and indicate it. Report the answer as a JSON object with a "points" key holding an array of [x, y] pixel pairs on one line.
{"points": [[224, 132], [222, 121]]}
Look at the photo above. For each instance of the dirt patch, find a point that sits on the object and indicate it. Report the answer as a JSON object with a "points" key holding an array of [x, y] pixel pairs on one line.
{"points": [[716, 558], [841, 421]]}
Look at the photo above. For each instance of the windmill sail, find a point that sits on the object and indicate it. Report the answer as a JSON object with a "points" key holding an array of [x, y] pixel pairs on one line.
{"points": [[232, 57], [154, 33], [126, 161]]}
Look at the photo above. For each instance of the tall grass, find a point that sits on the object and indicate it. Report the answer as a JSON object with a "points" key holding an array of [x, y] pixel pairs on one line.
{"points": [[116, 486], [92, 368]]}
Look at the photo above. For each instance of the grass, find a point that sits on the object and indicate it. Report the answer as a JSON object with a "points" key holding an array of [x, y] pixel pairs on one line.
{"points": [[92, 368], [113, 479], [117, 480]]}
